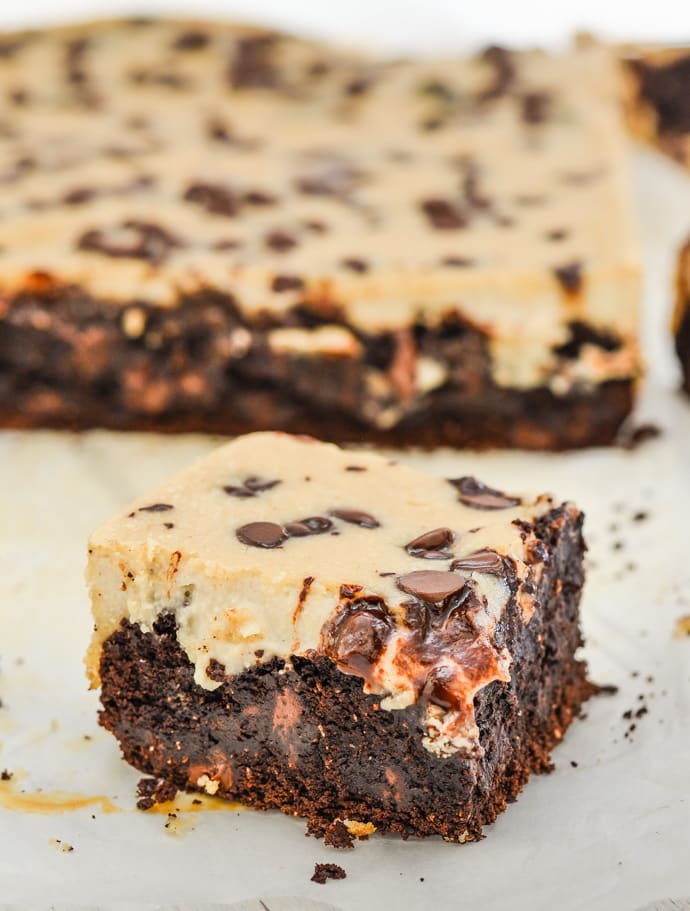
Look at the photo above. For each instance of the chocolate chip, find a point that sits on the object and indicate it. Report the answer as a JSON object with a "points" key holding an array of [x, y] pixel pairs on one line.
{"points": [[213, 197], [261, 534], [251, 66], [354, 264], [481, 561], [142, 240], [287, 283], [78, 196], [431, 585], [457, 262], [280, 241], [328, 176], [443, 215], [355, 468], [504, 74], [259, 198], [192, 40], [477, 495], [556, 234], [432, 544], [249, 488], [314, 525], [569, 277], [168, 525], [356, 517], [536, 107], [156, 507]]}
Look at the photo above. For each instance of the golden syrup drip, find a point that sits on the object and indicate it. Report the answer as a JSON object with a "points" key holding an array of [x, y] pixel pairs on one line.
{"points": [[50, 801], [195, 803]]}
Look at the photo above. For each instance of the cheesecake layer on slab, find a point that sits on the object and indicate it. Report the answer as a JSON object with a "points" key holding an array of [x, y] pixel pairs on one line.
{"points": [[407, 251], [335, 635]]}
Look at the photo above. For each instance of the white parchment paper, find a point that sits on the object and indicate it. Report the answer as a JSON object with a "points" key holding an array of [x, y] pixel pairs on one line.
{"points": [[609, 829]]}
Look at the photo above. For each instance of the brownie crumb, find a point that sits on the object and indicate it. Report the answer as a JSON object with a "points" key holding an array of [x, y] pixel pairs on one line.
{"points": [[324, 872], [337, 836], [152, 791], [6, 775], [573, 763], [636, 436]]}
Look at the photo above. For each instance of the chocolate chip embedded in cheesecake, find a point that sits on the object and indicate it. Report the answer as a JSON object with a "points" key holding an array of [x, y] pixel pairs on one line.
{"points": [[375, 644]]}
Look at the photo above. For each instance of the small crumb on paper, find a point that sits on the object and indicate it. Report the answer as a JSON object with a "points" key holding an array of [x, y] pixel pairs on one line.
{"points": [[61, 845], [682, 628], [324, 872]]}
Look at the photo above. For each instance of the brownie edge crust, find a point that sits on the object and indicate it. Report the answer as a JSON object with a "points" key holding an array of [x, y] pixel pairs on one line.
{"points": [[299, 736]]}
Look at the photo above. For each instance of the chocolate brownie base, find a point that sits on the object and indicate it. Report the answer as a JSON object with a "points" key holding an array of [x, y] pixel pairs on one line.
{"points": [[303, 738], [683, 347], [70, 362], [682, 329]]}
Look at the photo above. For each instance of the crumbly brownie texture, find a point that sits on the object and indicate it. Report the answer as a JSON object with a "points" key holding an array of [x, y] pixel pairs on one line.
{"points": [[658, 101], [409, 251], [339, 637], [682, 313]]}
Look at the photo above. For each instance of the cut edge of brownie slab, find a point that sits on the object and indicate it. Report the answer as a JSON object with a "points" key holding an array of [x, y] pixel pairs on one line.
{"points": [[414, 697], [681, 321]]}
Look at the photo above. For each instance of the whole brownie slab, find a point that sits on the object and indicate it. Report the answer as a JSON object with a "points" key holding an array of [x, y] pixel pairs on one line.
{"points": [[209, 227], [339, 637]]}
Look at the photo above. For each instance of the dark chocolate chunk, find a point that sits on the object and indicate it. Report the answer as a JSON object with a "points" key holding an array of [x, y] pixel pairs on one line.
{"points": [[431, 585], [314, 525], [432, 545], [287, 283], [168, 525], [144, 240], [213, 197], [156, 507], [261, 534], [473, 493], [356, 517], [569, 277], [191, 40], [257, 485], [536, 107], [443, 215], [280, 241], [481, 561], [251, 66], [355, 265], [355, 468]]}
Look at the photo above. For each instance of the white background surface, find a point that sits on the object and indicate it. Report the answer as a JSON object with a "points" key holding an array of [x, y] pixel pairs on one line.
{"points": [[402, 25], [611, 833]]}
